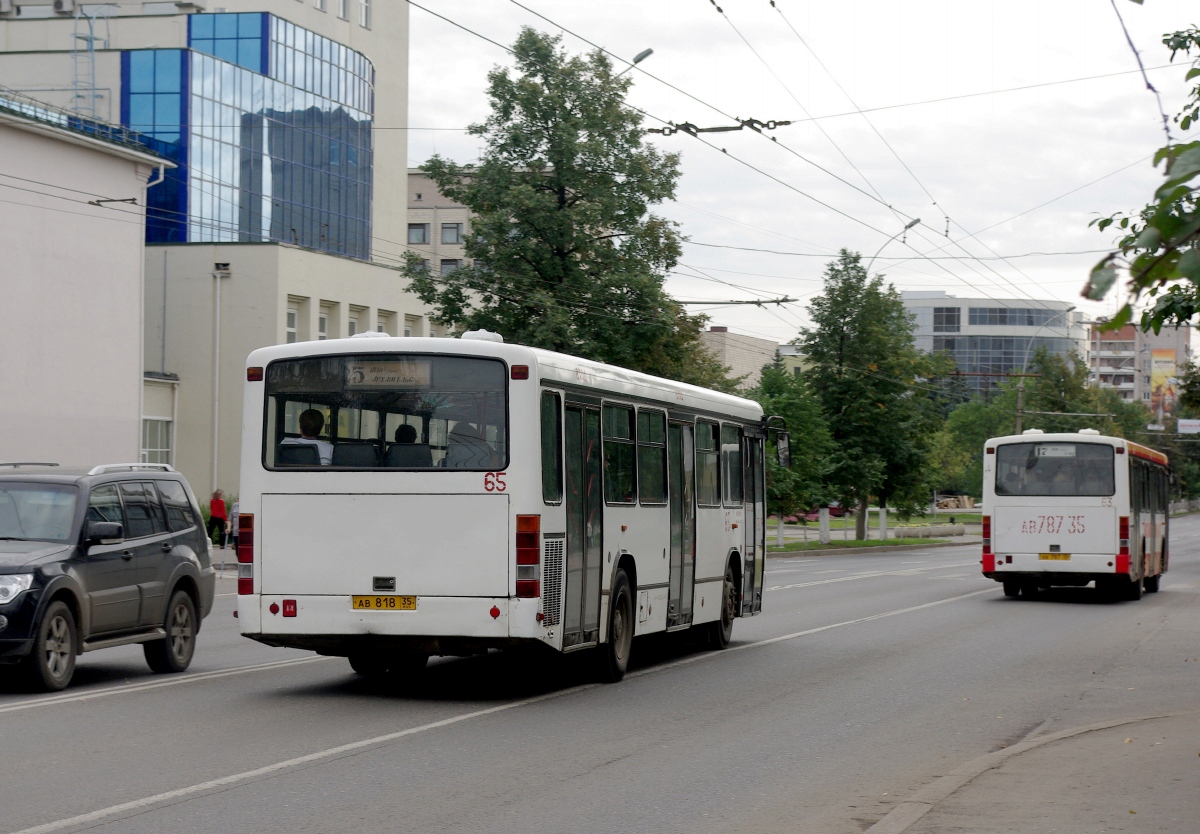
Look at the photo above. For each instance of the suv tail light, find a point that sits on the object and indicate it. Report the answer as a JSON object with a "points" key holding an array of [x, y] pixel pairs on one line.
{"points": [[529, 556], [989, 559], [245, 553], [1123, 543]]}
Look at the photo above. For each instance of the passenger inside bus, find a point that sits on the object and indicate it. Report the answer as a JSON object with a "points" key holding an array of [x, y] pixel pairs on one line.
{"points": [[406, 452], [311, 423]]}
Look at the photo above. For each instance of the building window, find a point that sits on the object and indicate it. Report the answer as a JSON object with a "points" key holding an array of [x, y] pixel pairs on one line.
{"points": [[947, 319], [319, 4], [292, 316], [322, 326], [418, 233], [385, 323], [344, 9], [452, 232], [156, 440], [364, 13], [419, 197], [450, 264], [351, 326], [1014, 316]]}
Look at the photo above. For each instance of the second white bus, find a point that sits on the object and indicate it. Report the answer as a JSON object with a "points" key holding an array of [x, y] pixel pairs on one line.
{"points": [[1073, 508], [464, 494]]}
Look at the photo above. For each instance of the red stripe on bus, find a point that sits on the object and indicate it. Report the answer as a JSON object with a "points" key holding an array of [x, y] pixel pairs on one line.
{"points": [[1123, 564]]}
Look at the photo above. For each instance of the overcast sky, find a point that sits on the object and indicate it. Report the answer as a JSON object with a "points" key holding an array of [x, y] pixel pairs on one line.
{"points": [[984, 159]]}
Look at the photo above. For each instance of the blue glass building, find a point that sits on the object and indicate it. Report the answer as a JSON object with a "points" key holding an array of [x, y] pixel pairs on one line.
{"points": [[271, 127]]}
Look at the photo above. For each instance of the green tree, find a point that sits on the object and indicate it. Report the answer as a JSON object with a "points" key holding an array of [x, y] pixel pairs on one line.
{"points": [[790, 491], [566, 253], [1159, 245], [874, 389]]}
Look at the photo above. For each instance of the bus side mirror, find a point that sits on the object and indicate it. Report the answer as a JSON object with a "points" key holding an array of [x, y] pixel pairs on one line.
{"points": [[783, 450]]}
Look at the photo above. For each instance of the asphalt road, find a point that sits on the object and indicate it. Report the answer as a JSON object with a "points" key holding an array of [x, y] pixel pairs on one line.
{"points": [[868, 676]]}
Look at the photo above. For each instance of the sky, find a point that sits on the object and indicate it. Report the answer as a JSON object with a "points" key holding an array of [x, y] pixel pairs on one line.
{"points": [[1015, 175]]}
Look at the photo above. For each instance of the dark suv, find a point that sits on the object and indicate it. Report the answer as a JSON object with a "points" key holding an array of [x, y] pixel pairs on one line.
{"points": [[99, 558]]}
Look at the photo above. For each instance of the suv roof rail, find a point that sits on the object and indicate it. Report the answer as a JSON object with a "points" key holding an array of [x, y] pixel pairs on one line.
{"points": [[131, 467], [16, 464]]}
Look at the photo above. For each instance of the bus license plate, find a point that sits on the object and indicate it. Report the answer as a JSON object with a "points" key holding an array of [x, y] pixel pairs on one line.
{"points": [[1055, 557], [384, 602]]}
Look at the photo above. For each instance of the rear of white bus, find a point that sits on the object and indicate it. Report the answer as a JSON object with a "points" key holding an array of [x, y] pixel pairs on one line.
{"points": [[401, 543], [1051, 511]]}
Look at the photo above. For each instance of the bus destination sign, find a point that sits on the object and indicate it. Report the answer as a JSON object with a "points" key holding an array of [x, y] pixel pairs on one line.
{"points": [[391, 373]]}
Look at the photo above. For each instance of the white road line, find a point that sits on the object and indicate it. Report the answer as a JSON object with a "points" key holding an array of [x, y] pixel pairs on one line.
{"points": [[917, 562], [872, 574], [144, 803], [54, 700]]}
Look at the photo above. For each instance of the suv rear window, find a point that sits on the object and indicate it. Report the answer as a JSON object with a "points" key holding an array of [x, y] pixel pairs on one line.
{"points": [[176, 503]]}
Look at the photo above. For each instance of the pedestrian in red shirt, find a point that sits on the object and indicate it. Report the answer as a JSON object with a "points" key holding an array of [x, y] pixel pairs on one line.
{"points": [[217, 520]]}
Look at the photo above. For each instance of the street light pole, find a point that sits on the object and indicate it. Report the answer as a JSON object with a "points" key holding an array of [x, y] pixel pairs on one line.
{"points": [[1025, 363], [907, 226]]}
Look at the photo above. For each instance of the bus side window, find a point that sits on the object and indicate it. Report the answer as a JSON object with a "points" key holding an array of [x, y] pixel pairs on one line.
{"points": [[708, 464], [731, 461], [652, 456], [620, 471], [551, 448]]}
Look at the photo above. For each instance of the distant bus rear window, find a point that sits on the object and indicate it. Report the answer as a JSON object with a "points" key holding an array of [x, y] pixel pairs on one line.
{"points": [[1079, 469]]}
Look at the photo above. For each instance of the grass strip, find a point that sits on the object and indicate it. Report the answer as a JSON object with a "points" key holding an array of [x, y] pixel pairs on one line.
{"points": [[834, 544]]}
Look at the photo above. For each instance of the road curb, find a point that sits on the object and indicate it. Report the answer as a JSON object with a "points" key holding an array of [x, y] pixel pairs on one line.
{"points": [[907, 813], [893, 548]]}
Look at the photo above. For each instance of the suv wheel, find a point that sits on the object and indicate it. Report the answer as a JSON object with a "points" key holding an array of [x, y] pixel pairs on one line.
{"points": [[52, 663], [174, 652]]}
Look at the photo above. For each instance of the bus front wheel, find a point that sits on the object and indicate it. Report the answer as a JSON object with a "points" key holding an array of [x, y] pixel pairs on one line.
{"points": [[721, 631], [614, 655]]}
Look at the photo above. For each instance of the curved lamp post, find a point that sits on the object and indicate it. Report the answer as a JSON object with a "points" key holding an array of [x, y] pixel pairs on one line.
{"points": [[637, 59], [1025, 363], [907, 226]]}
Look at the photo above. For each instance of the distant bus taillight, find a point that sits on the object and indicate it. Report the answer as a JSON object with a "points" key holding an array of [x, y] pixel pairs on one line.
{"points": [[245, 553], [1123, 543], [529, 556], [989, 559]]}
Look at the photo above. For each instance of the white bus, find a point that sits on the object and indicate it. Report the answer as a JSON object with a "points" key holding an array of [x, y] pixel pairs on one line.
{"points": [[1069, 509], [408, 497]]}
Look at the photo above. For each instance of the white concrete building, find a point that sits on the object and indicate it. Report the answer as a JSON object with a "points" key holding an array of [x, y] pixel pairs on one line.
{"points": [[73, 223], [437, 226], [990, 338], [745, 356]]}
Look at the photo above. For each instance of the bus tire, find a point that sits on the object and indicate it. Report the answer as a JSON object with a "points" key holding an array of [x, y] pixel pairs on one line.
{"points": [[405, 665], [720, 632], [614, 655], [1132, 590], [1029, 590], [1151, 583], [1012, 588], [369, 664]]}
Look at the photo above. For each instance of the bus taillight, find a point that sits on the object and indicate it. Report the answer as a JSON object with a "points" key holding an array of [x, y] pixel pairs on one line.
{"points": [[529, 555], [245, 553], [1123, 543], [989, 560]]}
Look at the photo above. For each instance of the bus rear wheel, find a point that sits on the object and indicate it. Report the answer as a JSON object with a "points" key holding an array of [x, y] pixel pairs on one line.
{"points": [[1151, 583], [1012, 589], [614, 655]]}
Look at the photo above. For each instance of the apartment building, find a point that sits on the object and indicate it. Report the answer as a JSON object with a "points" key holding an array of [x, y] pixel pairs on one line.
{"points": [[1142, 367], [437, 226]]}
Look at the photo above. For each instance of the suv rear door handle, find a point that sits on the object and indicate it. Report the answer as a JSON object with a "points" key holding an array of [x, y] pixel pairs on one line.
{"points": [[126, 555], [167, 547]]}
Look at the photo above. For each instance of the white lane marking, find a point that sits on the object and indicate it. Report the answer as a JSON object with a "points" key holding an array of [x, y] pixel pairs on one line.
{"points": [[356, 746], [917, 562], [836, 570], [54, 700], [872, 574]]}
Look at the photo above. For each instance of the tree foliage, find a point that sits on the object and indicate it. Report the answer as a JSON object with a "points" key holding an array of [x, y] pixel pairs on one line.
{"points": [[802, 487], [566, 253], [876, 391], [1159, 245]]}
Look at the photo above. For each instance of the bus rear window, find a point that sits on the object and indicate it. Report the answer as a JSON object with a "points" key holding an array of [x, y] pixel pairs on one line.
{"points": [[1038, 469], [386, 411]]}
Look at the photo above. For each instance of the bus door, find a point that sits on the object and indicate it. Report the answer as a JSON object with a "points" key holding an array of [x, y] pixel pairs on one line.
{"points": [[756, 527], [681, 466], [585, 505]]}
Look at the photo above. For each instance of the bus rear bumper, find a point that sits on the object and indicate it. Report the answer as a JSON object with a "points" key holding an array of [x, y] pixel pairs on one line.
{"points": [[1078, 569], [439, 625]]}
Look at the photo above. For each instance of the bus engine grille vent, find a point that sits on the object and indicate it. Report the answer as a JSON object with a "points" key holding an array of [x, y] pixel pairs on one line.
{"points": [[552, 579]]}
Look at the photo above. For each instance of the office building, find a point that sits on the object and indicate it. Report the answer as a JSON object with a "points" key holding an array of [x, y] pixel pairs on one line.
{"points": [[992, 338], [285, 211]]}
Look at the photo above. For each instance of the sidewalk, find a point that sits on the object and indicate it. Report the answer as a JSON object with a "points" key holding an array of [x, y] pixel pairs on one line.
{"points": [[1137, 777]]}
